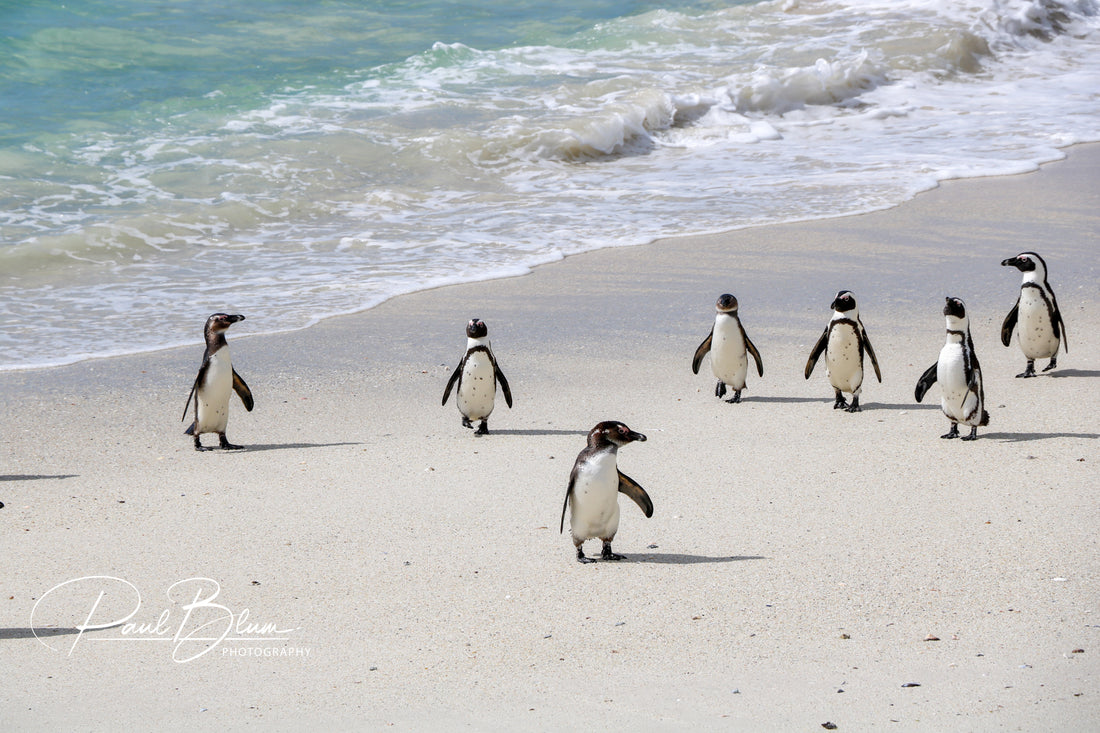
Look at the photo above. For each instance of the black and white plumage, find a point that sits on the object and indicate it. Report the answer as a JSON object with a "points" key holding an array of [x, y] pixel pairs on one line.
{"points": [[729, 348], [594, 486], [477, 376], [959, 375], [214, 383], [1036, 315], [844, 343]]}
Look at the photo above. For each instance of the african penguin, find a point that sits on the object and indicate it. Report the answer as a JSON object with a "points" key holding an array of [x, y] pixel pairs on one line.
{"points": [[729, 348], [843, 343], [594, 486], [962, 395], [214, 383], [477, 375], [1036, 312]]}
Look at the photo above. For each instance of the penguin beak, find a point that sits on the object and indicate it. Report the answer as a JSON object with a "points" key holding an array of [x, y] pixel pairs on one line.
{"points": [[1014, 261], [636, 436]]}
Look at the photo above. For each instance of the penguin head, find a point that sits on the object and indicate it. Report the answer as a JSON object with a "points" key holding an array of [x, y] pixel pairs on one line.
{"points": [[613, 432], [726, 304], [955, 310], [219, 323], [844, 301], [476, 329], [1027, 262]]}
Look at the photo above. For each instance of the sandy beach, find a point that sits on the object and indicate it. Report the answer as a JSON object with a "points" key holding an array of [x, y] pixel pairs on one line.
{"points": [[385, 567]]}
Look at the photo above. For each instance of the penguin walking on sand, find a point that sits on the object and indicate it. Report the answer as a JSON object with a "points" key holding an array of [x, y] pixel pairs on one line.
{"points": [[962, 395], [214, 383], [729, 348], [477, 376], [1041, 330], [594, 486], [844, 342]]}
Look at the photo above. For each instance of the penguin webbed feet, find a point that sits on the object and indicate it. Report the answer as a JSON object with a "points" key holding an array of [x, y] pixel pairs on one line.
{"points": [[581, 558], [225, 444], [467, 424], [736, 399], [953, 432], [841, 403], [973, 434], [482, 429], [1052, 365], [854, 407], [1030, 371], [607, 554], [720, 389]]}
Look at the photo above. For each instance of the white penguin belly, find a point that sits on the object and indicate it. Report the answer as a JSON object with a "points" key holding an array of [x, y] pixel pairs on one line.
{"points": [[957, 400], [1036, 332], [595, 503], [842, 359], [728, 359], [212, 414], [478, 387]]}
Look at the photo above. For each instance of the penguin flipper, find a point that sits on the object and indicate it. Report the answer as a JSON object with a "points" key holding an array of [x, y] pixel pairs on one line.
{"points": [[452, 380], [195, 387], [751, 348], [1010, 324], [631, 488], [701, 352], [870, 351], [568, 493], [818, 350], [1057, 323], [503, 383], [243, 391], [926, 381]]}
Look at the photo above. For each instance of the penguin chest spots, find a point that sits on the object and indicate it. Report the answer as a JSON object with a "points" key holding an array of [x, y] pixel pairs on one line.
{"points": [[842, 358], [213, 394], [728, 359], [595, 504], [1037, 339], [478, 386]]}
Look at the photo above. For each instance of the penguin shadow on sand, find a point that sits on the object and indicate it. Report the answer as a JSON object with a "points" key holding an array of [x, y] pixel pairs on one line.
{"points": [[34, 476], [289, 446], [672, 558], [1072, 373], [1028, 437], [28, 633]]}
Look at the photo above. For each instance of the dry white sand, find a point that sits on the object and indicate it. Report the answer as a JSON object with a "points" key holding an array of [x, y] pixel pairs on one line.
{"points": [[796, 562]]}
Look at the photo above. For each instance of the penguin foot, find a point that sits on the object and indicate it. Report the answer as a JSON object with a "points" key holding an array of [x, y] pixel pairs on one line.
{"points": [[198, 445], [1052, 365], [467, 424], [952, 433], [607, 554], [973, 434], [736, 399], [1030, 371], [483, 429], [720, 389], [225, 444], [581, 558], [841, 403], [854, 407]]}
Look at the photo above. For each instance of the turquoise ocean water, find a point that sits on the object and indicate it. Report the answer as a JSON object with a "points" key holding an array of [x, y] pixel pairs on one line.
{"points": [[160, 161]]}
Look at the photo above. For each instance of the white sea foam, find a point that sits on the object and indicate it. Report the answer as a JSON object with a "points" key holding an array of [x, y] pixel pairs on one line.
{"points": [[461, 163]]}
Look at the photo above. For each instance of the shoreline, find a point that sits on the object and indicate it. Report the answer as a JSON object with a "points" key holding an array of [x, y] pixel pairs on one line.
{"points": [[797, 562], [529, 269]]}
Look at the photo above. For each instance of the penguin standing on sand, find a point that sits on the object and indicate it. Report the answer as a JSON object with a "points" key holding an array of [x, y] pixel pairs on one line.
{"points": [[594, 486], [477, 375], [962, 395], [730, 348], [214, 383], [844, 343], [1036, 312]]}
